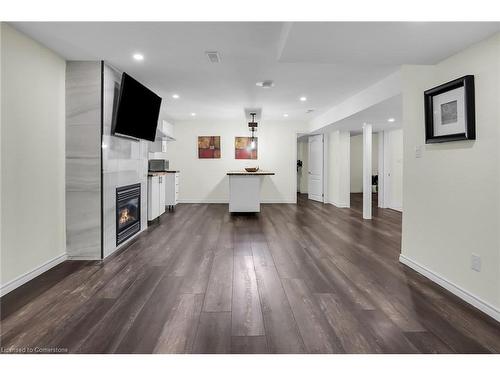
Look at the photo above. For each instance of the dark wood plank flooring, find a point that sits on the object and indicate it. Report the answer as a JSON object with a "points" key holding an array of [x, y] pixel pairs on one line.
{"points": [[305, 278]]}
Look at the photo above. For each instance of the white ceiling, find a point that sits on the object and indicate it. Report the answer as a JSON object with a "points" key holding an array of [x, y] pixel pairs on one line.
{"points": [[371, 43], [327, 62], [376, 115]]}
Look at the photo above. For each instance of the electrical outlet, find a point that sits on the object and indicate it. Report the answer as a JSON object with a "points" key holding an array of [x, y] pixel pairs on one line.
{"points": [[475, 262]]}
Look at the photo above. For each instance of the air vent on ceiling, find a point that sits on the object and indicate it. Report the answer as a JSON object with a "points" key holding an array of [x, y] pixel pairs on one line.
{"points": [[310, 111], [213, 56], [265, 84]]}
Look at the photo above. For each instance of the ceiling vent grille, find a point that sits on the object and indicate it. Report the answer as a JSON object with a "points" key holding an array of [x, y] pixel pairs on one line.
{"points": [[213, 56], [265, 84]]}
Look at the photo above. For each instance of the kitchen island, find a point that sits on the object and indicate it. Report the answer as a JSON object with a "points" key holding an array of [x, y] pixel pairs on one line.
{"points": [[244, 190]]}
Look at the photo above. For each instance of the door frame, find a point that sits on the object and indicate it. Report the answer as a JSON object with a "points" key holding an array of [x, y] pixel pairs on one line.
{"points": [[325, 166], [382, 167], [325, 158]]}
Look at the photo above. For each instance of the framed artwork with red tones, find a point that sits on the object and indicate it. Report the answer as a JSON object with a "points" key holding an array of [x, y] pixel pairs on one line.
{"points": [[245, 148], [209, 147]]}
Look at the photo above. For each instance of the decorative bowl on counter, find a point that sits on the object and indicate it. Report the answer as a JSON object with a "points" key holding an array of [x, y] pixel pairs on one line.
{"points": [[252, 169]]}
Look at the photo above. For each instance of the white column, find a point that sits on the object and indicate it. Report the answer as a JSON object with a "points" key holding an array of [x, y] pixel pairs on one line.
{"points": [[338, 168], [367, 171], [345, 170]]}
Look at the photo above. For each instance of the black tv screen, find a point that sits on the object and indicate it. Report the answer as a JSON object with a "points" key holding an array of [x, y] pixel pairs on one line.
{"points": [[138, 110]]}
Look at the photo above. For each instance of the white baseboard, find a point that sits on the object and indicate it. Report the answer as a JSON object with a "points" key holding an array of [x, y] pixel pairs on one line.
{"points": [[225, 201], [280, 201], [452, 287], [400, 209], [23, 279], [82, 258], [204, 201], [339, 205]]}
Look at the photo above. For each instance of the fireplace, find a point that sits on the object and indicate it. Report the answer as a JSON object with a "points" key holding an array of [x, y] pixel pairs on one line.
{"points": [[128, 212]]}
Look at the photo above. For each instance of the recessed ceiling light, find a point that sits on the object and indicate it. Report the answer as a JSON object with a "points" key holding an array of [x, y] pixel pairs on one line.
{"points": [[138, 56], [285, 114], [175, 96], [193, 114], [303, 98], [391, 119]]}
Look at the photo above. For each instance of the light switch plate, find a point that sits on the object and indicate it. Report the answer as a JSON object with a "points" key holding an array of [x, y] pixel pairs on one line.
{"points": [[419, 151]]}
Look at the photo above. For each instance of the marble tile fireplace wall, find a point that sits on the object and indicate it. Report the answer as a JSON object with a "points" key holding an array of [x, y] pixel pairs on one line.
{"points": [[97, 163]]}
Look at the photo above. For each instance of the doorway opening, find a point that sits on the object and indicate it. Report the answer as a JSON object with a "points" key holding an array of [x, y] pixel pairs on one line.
{"points": [[302, 163], [356, 167]]}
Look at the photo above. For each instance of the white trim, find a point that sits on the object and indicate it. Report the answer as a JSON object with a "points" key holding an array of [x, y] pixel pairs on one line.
{"points": [[381, 168], [339, 205], [453, 288], [367, 170], [225, 201], [80, 257], [400, 209], [325, 167], [23, 279], [281, 201]]}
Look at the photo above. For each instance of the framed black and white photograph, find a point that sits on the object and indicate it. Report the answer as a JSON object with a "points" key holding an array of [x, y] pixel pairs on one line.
{"points": [[450, 111]]}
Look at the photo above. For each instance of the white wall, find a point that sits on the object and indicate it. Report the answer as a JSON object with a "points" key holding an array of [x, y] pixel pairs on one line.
{"points": [[452, 194], [302, 175], [393, 169], [1, 126], [205, 180], [338, 168], [356, 160], [32, 161]]}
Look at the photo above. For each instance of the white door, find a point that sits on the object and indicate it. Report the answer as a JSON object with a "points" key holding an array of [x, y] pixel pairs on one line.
{"points": [[315, 175]]}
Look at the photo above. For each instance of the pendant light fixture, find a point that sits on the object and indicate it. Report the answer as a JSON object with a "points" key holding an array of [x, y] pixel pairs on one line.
{"points": [[252, 125]]}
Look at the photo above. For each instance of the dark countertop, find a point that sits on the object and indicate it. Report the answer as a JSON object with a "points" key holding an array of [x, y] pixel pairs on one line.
{"points": [[161, 173], [245, 173]]}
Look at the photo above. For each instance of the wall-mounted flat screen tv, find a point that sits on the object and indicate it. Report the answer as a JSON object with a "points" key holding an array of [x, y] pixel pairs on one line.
{"points": [[137, 112]]}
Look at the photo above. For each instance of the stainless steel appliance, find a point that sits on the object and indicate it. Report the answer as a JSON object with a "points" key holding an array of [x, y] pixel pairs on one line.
{"points": [[157, 165]]}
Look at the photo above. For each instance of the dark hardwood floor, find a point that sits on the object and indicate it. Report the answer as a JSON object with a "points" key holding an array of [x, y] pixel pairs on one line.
{"points": [[305, 278]]}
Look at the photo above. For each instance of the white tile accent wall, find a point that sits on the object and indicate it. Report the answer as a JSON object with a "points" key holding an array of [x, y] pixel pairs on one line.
{"points": [[124, 161], [83, 163]]}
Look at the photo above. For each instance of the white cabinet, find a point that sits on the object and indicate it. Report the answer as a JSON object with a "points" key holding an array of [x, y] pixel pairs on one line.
{"points": [[161, 194], [171, 189], [244, 190], [156, 196], [153, 197], [244, 193]]}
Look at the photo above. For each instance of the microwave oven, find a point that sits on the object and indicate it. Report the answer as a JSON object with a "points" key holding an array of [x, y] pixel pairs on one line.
{"points": [[157, 165]]}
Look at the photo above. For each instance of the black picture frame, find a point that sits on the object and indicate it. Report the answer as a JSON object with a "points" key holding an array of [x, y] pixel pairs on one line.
{"points": [[470, 110]]}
